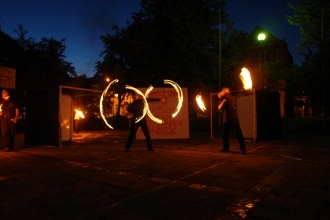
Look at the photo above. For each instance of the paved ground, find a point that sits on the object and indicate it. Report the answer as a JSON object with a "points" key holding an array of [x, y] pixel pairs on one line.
{"points": [[93, 178]]}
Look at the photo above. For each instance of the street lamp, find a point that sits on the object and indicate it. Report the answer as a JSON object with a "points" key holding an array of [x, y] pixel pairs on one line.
{"points": [[261, 38]]}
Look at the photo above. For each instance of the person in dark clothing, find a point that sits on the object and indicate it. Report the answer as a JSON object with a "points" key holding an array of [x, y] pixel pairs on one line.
{"points": [[9, 113], [136, 109], [230, 119]]}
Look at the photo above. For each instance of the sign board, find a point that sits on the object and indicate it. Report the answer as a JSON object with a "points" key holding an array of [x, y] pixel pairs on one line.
{"points": [[246, 111], [7, 77], [172, 128]]}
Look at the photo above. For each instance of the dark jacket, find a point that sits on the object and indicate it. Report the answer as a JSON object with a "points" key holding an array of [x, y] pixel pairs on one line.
{"points": [[229, 108], [136, 107], [8, 110]]}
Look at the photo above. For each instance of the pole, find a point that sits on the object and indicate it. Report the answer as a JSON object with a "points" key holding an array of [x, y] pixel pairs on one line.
{"points": [[323, 90], [220, 47], [262, 68]]}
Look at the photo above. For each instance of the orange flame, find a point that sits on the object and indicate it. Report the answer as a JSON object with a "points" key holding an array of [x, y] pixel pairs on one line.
{"points": [[180, 95], [246, 78], [78, 114], [200, 102]]}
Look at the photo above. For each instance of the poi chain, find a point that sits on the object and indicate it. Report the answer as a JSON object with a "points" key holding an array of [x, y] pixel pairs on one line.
{"points": [[146, 109]]}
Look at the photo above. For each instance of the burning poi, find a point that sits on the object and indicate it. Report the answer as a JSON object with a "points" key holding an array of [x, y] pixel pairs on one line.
{"points": [[146, 109], [246, 78], [200, 102]]}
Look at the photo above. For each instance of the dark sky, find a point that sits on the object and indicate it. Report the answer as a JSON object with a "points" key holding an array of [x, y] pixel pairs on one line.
{"points": [[82, 22]]}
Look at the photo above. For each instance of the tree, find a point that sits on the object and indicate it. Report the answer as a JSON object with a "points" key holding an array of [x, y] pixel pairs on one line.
{"points": [[42, 63], [313, 19], [177, 40], [38, 64], [10, 50]]}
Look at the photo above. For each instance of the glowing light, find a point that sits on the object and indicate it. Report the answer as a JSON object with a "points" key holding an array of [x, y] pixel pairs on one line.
{"points": [[200, 102], [101, 102], [261, 36], [146, 106], [78, 114], [246, 78], [151, 116], [180, 96]]}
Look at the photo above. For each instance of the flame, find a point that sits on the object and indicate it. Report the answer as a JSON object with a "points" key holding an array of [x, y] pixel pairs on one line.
{"points": [[78, 114], [180, 96], [200, 102], [101, 102], [146, 106], [246, 78], [151, 116]]}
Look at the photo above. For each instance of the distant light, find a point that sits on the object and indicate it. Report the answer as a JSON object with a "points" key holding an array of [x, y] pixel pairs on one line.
{"points": [[107, 79], [261, 36], [116, 95]]}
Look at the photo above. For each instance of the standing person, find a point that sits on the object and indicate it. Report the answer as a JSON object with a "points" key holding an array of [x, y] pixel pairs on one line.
{"points": [[9, 116], [230, 119], [136, 109]]}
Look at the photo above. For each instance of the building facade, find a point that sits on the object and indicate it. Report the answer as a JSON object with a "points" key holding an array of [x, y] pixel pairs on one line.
{"points": [[263, 50]]}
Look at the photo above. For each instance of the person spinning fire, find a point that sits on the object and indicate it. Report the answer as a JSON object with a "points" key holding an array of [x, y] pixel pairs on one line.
{"points": [[136, 109], [230, 119], [9, 113]]}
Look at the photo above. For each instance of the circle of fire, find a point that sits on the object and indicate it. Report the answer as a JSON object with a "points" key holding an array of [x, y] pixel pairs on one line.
{"points": [[180, 96], [146, 109], [146, 106], [101, 102]]}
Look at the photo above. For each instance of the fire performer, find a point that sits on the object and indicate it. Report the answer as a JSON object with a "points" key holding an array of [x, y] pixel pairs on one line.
{"points": [[136, 109], [9, 113], [230, 119]]}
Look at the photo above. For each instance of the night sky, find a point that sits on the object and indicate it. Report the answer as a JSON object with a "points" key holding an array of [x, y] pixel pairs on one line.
{"points": [[82, 22]]}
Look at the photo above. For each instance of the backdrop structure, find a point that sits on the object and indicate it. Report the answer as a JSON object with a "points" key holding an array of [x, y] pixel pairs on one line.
{"points": [[49, 114], [172, 128], [258, 112]]}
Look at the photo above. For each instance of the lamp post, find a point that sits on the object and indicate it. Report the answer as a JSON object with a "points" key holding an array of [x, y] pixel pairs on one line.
{"points": [[261, 38]]}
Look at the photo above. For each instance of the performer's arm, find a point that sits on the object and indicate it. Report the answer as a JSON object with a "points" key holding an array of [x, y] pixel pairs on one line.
{"points": [[220, 107], [156, 100], [16, 115]]}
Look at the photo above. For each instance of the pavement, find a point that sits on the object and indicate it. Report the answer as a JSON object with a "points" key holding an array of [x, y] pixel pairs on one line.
{"points": [[92, 177]]}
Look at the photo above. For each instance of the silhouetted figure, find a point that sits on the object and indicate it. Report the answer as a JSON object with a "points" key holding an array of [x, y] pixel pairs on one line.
{"points": [[230, 119], [9, 113], [136, 109]]}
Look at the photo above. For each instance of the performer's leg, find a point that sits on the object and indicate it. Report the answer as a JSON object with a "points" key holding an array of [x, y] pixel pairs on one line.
{"points": [[131, 136], [12, 130], [5, 135], [146, 133], [239, 136]]}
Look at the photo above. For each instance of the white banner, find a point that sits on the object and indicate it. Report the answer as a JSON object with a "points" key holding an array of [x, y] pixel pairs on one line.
{"points": [[172, 128]]}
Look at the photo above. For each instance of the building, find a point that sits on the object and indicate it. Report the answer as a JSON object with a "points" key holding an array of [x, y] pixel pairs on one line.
{"points": [[265, 50]]}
